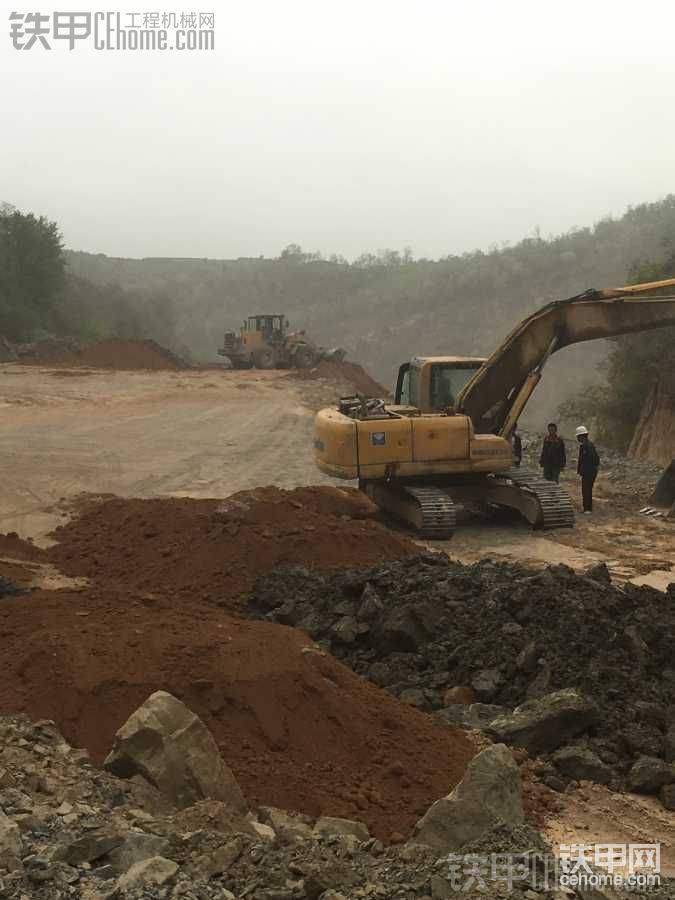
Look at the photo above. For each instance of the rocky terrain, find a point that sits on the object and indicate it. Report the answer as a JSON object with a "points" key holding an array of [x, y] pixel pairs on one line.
{"points": [[474, 642], [166, 819]]}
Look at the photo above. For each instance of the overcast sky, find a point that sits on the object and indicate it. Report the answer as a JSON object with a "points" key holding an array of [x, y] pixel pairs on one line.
{"points": [[345, 126]]}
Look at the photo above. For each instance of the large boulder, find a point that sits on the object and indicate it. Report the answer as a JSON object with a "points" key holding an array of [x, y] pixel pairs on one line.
{"points": [[490, 792], [328, 826], [89, 847], [136, 847], [169, 746], [544, 724], [648, 774], [155, 871], [289, 828], [582, 764], [401, 629]]}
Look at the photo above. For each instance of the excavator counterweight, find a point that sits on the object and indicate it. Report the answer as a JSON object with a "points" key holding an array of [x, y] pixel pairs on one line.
{"points": [[447, 437]]}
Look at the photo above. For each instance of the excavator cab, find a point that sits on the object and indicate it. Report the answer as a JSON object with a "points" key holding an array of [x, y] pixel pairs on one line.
{"points": [[433, 384]]}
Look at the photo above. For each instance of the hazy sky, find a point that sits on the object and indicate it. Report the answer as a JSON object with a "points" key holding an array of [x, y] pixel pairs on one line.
{"points": [[344, 126]]}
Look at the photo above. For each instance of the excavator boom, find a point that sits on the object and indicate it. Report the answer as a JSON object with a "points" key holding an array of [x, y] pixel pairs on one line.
{"points": [[496, 395]]}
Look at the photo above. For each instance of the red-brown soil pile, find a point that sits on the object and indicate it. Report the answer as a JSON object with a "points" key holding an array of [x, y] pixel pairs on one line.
{"points": [[299, 730], [14, 547], [350, 372], [187, 549], [18, 559], [113, 353]]}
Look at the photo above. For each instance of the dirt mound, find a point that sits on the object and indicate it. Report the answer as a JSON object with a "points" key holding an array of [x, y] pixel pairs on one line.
{"points": [[18, 560], [213, 550], [299, 730], [113, 353], [341, 372], [510, 633], [14, 547]]}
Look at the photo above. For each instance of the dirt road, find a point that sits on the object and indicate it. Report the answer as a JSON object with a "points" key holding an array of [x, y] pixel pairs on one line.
{"points": [[144, 434]]}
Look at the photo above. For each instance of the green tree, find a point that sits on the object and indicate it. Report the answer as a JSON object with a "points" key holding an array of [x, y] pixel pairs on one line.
{"points": [[32, 273]]}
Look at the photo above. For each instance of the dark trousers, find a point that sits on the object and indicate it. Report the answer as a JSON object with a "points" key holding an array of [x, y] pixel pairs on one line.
{"points": [[587, 482], [552, 473]]}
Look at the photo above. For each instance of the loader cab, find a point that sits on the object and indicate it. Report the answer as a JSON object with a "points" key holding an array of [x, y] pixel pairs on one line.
{"points": [[433, 384], [271, 326]]}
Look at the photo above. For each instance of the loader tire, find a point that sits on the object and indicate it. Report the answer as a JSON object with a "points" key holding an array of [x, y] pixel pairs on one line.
{"points": [[265, 359], [304, 358], [241, 364]]}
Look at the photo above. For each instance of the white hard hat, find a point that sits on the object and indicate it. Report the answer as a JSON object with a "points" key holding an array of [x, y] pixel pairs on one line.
{"points": [[581, 430]]}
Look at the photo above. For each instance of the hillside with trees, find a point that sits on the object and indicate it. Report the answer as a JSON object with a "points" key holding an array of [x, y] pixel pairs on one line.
{"points": [[381, 307], [388, 306]]}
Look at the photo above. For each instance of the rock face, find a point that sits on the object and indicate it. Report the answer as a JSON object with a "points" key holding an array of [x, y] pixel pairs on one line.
{"points": [[654, 436], [490, 792], [543, 725], [169, 746]]}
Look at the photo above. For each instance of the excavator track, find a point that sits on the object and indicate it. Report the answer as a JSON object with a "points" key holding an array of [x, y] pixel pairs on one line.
{"points": [[438, 513], [429, 510], [554, 502]]}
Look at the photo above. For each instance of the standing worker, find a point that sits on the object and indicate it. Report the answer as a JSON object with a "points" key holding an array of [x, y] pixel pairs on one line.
{"points": [[553, 458], [517, 445], [587, 467]]}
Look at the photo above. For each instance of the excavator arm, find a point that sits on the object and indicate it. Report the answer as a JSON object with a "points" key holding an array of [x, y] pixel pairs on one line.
{"points": [[497, 394]]}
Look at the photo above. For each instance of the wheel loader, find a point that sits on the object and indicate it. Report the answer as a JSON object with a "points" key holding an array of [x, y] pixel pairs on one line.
{"points": [[264, 342], [446, 438]]}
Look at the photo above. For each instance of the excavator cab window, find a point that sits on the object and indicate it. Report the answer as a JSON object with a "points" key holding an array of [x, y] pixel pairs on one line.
{"points": [[447, 382], [407, 385], [403, 385]]}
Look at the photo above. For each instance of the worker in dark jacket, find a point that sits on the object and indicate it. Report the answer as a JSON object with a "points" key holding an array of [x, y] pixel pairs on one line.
{"points": [[517, 445], [553, 458], [587, 467]]}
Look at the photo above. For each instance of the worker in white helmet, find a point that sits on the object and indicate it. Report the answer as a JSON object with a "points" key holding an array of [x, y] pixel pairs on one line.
{"points": [[587, 467]]}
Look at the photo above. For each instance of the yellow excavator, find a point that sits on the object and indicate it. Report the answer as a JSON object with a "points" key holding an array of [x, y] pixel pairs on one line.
{"points": [[446, 438]]}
